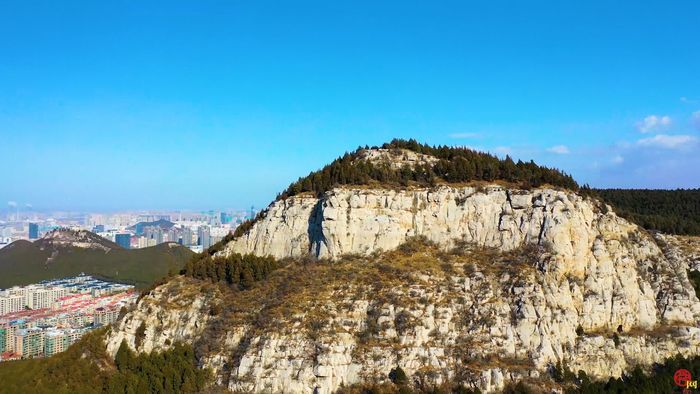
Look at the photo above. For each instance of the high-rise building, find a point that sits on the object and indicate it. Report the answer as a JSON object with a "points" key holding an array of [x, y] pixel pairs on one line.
{"points": [[11, 303], [33, 231], [225, 218], [55, 342], [123, 240], [173, 235], [154, 233], [204, 236], [44, 298], [143, 242], [29, 342], [187, 237], [99, 228]]}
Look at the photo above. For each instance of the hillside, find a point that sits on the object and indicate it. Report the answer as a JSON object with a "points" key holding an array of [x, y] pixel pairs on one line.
{"points": [[668, 211], [65, 253]]}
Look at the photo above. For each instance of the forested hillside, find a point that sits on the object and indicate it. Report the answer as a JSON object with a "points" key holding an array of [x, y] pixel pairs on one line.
{"points": [[453, 164], [668, 211], [24, 262], [86, 368]]}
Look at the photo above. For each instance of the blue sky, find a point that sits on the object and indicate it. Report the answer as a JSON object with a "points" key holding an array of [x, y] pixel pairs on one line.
{"points": [[217, 104]]}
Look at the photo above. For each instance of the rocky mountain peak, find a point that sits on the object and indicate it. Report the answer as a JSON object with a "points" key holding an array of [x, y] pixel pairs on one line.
{"points": [[481, 283], [67, 238]]}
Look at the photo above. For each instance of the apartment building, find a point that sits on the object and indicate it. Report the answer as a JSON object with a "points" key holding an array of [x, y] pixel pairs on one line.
{"points": [[11, 303]]}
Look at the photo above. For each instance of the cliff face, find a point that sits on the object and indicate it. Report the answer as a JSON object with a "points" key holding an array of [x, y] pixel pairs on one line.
{"points": [[525, 271], [177, 311]]}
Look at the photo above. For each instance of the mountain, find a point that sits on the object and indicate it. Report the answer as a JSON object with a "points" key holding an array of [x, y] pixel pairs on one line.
{"points": [[444, 269], [406, 268], [66, 252]]}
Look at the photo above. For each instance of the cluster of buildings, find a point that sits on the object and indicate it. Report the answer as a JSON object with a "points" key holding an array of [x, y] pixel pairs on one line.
{"points": [[196, 230], [43, 319]]}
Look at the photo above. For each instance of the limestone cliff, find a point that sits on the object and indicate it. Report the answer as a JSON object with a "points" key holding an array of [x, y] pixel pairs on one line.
{"points": [[509, 283]]}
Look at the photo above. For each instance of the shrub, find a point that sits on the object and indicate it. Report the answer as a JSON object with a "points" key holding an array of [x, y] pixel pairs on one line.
{"points": [[240, 271], [403, 322], [398, 376], [140, 335], [518, 388], [694, 277]]}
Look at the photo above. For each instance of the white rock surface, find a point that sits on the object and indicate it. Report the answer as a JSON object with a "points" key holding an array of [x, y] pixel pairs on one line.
{"points": [[175, 312], [599, 272]]}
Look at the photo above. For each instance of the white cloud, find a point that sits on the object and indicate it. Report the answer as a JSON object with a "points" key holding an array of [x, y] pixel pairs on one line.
{"points": [[559, 149], [12, 203], [654, 123], [476, 148], [503, 150], [617, 159], [668, 141], [465, 135], [688, 101], [696, 119]]}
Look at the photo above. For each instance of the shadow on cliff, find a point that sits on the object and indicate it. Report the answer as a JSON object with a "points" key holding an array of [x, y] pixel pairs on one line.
{"points": [[315, 229]]}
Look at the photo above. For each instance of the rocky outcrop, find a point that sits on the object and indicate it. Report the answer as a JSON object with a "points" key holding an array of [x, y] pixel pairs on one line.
{"points": [[396, 158], [362, 221], [176, 312], [63, 238], [518, 281]]}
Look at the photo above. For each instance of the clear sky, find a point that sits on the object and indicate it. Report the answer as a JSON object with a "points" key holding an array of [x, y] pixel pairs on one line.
{"points": [[217, 104]]}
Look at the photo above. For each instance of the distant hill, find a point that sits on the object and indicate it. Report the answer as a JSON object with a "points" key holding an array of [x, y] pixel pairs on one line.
{"points": [[65, 252], [140, 226]]}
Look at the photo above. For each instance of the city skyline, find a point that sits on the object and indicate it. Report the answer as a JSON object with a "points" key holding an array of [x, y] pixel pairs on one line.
{"points": [[166, 106]]}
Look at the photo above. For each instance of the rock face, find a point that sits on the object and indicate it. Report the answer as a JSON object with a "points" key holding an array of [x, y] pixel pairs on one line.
{"points": [[65, 238], [397, 159], [176, 312], [594, 275]]}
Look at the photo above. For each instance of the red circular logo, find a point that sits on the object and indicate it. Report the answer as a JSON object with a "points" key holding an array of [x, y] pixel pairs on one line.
{"points": [[681, 377]]}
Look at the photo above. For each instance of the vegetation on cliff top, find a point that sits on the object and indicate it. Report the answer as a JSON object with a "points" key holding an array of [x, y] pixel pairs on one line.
{"points": [[667, 211], [453, 164]]}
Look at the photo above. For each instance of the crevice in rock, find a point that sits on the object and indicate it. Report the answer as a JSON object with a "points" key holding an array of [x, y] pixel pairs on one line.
{"points": [[541, 233]]}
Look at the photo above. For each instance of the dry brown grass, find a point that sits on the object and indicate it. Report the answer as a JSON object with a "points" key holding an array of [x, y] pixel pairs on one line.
{"points": [[318, 294]]}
